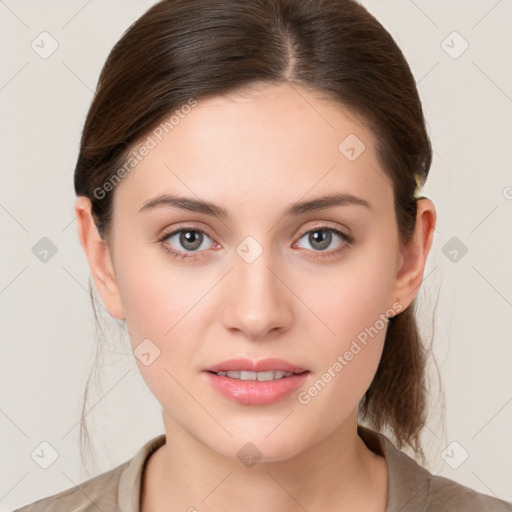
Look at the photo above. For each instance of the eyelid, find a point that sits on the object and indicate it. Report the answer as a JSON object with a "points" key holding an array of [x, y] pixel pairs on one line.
{"points": [[327, 225], [181, 226]]}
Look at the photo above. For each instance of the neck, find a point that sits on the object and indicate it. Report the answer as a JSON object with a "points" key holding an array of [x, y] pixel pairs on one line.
{"points": [[339, 473]]}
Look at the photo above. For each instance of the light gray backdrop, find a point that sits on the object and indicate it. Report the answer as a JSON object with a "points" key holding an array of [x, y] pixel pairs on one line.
{"points": [[52, 52]]}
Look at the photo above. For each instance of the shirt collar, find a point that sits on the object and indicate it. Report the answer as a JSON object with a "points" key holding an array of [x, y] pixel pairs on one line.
{"points": [[407, 489], [408, 482], [130, 480]]}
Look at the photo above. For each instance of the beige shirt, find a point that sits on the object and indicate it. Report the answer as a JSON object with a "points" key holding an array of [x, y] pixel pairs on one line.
{"points": [[411, 488]]}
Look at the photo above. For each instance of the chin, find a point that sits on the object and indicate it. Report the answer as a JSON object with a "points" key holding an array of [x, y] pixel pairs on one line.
{"points": [[282, 444]]}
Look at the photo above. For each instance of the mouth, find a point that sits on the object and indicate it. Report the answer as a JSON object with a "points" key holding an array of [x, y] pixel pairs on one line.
{"points": [[260, 382]]}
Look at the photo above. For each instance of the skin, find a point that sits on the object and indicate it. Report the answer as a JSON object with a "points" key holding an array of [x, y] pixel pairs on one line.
{"points": [[255, 154]]}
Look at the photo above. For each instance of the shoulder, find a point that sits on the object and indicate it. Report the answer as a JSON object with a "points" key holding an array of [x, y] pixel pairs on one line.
{"points": [[412, 488], [97, 493], [114, 490], [111, 491], [447, 495]]}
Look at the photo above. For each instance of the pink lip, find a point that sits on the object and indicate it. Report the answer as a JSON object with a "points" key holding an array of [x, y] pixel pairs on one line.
{"points": [[254, 392], [263, 365]]}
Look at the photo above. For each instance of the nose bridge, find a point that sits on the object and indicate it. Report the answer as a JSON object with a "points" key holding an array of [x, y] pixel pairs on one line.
{"points": [[257, 300]]}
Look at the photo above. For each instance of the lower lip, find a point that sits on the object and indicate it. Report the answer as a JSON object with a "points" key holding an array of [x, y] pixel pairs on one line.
{"points": [[253, 392]]}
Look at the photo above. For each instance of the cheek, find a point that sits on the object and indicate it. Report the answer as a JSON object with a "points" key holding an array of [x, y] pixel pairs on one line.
{"points": [[156, 293], [163, 310], [351, 299], [352, 309], [168, 309], [346, 361]]}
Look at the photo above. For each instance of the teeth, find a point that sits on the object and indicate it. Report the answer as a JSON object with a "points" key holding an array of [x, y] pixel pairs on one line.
{"points": [[262, 376], [259, 376]]}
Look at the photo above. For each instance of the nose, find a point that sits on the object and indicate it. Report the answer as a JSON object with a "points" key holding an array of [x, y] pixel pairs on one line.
{"points": [[257, 299]]}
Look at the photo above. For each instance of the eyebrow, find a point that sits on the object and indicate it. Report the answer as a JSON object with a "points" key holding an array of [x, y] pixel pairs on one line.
{"points": [[209, 208]]}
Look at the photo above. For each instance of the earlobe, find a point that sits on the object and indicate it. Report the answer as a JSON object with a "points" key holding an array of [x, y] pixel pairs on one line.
{"points": [[414, 254], [98, 255]]}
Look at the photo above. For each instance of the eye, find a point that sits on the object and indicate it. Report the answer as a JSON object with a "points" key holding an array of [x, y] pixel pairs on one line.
{"points": [[190, 242], [185, 240], [321, 237]]}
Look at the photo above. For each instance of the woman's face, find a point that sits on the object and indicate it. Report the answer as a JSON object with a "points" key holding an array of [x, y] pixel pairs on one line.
{"points": [[311, 286]]}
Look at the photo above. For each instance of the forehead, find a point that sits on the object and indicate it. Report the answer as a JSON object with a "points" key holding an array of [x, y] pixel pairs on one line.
{"points": [[273, 142]]}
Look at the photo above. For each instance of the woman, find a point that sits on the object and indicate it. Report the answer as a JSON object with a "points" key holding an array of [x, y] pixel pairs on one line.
{"points": [[248, 199]]}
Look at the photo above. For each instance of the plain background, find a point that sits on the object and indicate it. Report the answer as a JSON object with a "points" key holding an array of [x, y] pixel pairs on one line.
{"points": [[47, 326]]}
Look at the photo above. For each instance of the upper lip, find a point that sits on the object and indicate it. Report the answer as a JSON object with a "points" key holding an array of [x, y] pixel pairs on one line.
{"points": [[263, 365]]}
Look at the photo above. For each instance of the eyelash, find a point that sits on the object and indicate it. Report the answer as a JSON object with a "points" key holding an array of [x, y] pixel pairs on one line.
{"points": [[180, 255]]}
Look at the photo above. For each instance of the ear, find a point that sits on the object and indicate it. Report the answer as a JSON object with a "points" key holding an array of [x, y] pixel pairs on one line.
{"points": [[414, 255], [99, 258]]}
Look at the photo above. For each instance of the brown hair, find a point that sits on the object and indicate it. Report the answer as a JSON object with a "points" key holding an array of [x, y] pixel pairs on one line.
{"points": [[183, 49]]}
